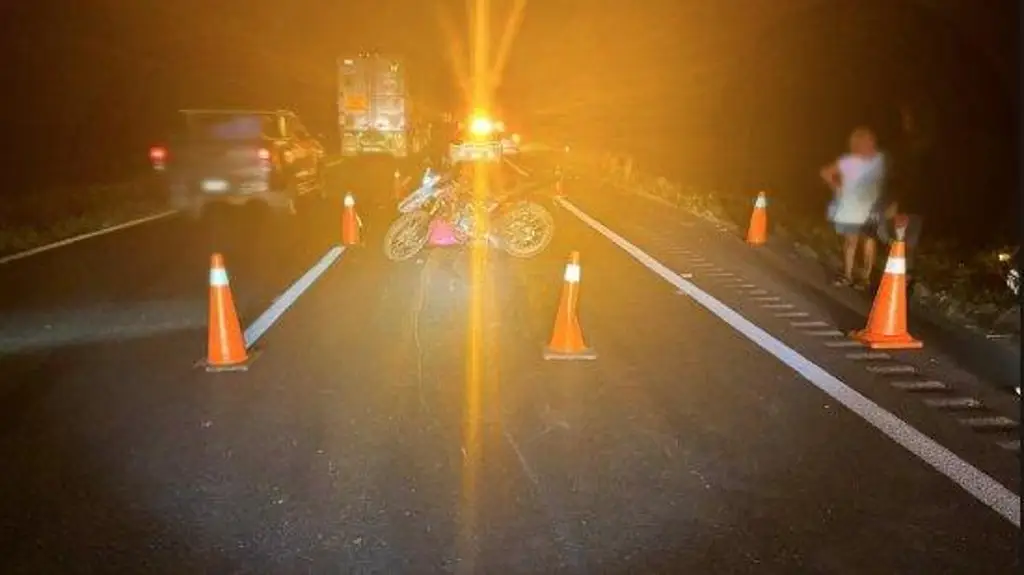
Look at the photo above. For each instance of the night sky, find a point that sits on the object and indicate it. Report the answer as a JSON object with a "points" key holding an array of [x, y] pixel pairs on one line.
{"points": [[732, 94]]}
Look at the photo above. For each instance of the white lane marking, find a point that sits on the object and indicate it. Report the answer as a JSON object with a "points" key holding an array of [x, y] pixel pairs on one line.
{"points": [[867, 355], [745, 286], [259, 327], [102, 231], [812, 323], [758, 292], [778, 306], [926, 385], [844, 343], [78, 238], [788, 314], [952, 402], [824, 333], [766, 298], [517, 168], [891, 369], [997, 422], [979, 484]]}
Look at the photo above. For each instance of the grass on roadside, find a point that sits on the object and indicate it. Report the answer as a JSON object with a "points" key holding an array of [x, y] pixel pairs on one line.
{"points": [[29, 220]]}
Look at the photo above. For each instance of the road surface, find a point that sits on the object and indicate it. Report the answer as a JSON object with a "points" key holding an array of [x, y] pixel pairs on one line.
{"points": [[400, 418]]}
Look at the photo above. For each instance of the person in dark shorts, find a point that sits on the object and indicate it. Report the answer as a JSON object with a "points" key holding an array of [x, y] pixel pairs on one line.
{"points": [[900, 201], [893, 216]]}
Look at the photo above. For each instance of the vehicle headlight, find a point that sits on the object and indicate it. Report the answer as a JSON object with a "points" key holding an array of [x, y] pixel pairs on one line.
{"points": [[481, 126]]}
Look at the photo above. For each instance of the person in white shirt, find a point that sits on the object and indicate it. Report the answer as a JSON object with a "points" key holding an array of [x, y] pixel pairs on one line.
{"points": [[856, 179]]}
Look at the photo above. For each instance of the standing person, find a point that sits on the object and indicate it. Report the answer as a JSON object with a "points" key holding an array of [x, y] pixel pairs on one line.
{"points": [[895, 215], [904, 187], [856, 179]]}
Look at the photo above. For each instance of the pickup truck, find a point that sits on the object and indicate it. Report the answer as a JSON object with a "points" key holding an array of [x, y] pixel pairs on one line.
{"points": [[239, 157]]}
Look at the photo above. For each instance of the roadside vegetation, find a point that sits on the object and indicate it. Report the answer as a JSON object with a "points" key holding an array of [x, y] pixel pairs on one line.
{"points": [[29, 220], [966, 287]]}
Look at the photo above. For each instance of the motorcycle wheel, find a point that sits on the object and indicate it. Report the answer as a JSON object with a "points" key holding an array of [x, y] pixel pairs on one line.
{"points": [[526, 230], [407, 235]]}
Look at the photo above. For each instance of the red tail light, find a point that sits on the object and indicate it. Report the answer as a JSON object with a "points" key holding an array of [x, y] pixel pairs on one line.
{"points": [[158, 154], [158, 157]]}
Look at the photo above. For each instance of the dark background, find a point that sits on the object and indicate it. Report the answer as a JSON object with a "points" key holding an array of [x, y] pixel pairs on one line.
{"points": [[733, 94]]}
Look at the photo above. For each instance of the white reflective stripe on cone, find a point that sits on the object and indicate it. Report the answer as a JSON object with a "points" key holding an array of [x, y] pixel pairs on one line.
{"points": [[762, 201], [896, 266], [218, 277], [572, 273]]}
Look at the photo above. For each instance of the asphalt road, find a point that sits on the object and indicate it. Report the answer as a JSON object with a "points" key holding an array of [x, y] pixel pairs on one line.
{"points": [[400, 419]]}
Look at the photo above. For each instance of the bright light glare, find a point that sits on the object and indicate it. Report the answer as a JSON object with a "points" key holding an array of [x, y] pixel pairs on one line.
{"points": [[481, 126], [516, 138]]}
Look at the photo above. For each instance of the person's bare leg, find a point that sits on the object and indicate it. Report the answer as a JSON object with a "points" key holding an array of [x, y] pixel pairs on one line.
{"points": [[870, 249], [849, 255]]}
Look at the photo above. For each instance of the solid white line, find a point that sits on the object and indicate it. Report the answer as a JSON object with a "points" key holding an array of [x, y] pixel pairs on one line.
{"points": [[78, 238], [516, 167], [259, 327], [106, 230], [982, 486]]}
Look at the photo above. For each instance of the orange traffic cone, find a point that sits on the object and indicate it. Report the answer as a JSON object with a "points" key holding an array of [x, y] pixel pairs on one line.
{"points": [[396, 186], [757, 233], [559, 182], [225, 342], [350, 222], [887, 322], [567, 337]]}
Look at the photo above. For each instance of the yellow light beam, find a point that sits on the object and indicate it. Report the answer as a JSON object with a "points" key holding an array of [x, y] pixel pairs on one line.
{"points": [[508, 36], [471, 441], [456, 48]]}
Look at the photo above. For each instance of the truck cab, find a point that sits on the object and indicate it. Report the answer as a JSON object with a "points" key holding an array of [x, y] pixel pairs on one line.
{"points": [[239, 157]]}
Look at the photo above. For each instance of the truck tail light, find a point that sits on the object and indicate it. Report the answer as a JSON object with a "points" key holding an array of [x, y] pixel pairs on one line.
{"points": [[158, 157]]}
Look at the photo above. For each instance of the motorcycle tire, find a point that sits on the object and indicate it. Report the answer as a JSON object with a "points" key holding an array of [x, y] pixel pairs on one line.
{"points": [[407, 235], [510, 232]]}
